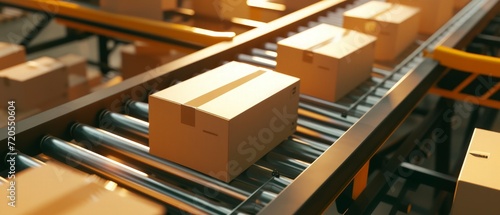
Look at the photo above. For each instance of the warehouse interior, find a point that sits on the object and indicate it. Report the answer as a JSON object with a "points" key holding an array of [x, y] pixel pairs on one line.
{"points": [[191, 106]]}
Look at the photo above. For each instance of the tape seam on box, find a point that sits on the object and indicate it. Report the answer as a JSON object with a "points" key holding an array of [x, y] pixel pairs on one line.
{"points": [[188, 109], [308, 54]]}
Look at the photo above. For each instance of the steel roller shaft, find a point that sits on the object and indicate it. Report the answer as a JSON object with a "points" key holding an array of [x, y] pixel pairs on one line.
{"points": [[73, 154]]}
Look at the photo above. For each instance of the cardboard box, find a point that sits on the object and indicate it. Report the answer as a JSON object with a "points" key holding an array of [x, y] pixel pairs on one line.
{"points": [[459, 4], [478, 185], [433, 14], [78, 86], [94, 78], [149, 9], [75, 65], [33, 83], [394, 25], [222, 121], [134, 63], [330, 61], [11, 55], [142, 48], [56, 189]]}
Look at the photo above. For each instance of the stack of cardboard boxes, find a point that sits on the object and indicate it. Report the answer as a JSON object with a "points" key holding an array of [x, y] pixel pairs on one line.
{"points": [[34, 83], [43, 82]]}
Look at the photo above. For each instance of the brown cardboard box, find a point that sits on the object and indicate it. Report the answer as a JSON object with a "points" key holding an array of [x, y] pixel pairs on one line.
{"points": [[11, 55], [222, 121], [330, 61], [394, 25], [478, 185], [433, 14], [56, 189], [94, 78], [134, 63], [142, 48], [149, 9], [78, 86], [75, 65], [33, 83], [459, 4]]}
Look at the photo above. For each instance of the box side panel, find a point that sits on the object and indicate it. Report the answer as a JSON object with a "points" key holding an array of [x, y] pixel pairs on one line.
{"points": [[202, 147], [261, 128], [313, 77], [475, 199], [354, 69]]}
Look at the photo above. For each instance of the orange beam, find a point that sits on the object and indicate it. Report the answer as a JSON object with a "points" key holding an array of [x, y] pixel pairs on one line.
{"points": [[188, 34]]}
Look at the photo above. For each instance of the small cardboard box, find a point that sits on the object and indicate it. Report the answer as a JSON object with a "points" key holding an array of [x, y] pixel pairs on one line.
{"points": [[33, 83], [478, 185], [149, 9], [78, 86], [394, 25], [56, 189], [222, 121], [433, 14], [94, 78], [75, 65], [134, 63], [11, 55], [330, 61]]}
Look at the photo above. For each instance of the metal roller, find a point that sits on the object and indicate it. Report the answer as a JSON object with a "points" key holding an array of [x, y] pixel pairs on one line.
{"points": [[137, 109], [90, 135], [24, 162], [110, 120], [70, 153]]}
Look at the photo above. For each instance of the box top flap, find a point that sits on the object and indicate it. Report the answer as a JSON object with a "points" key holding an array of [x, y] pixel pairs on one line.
{"points": [[31, 69], [383, 11], [228, 90], [329, 40], [482, 162]]}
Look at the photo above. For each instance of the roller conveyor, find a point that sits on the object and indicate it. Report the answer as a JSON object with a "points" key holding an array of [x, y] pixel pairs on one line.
{"points": [[332, 143]]}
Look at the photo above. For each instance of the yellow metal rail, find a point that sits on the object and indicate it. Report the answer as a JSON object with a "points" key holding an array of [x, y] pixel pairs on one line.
{"points": [[127, 24], [476, 67]]}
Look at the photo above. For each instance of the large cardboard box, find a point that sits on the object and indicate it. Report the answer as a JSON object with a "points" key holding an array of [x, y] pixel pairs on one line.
{"points": [[149, 9], [478, 185], [330, 61], [222, 121], [11, 55], [433, 14], [75, 65], [394, 25], [134, 63], [33, 83], [56, 189]]}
